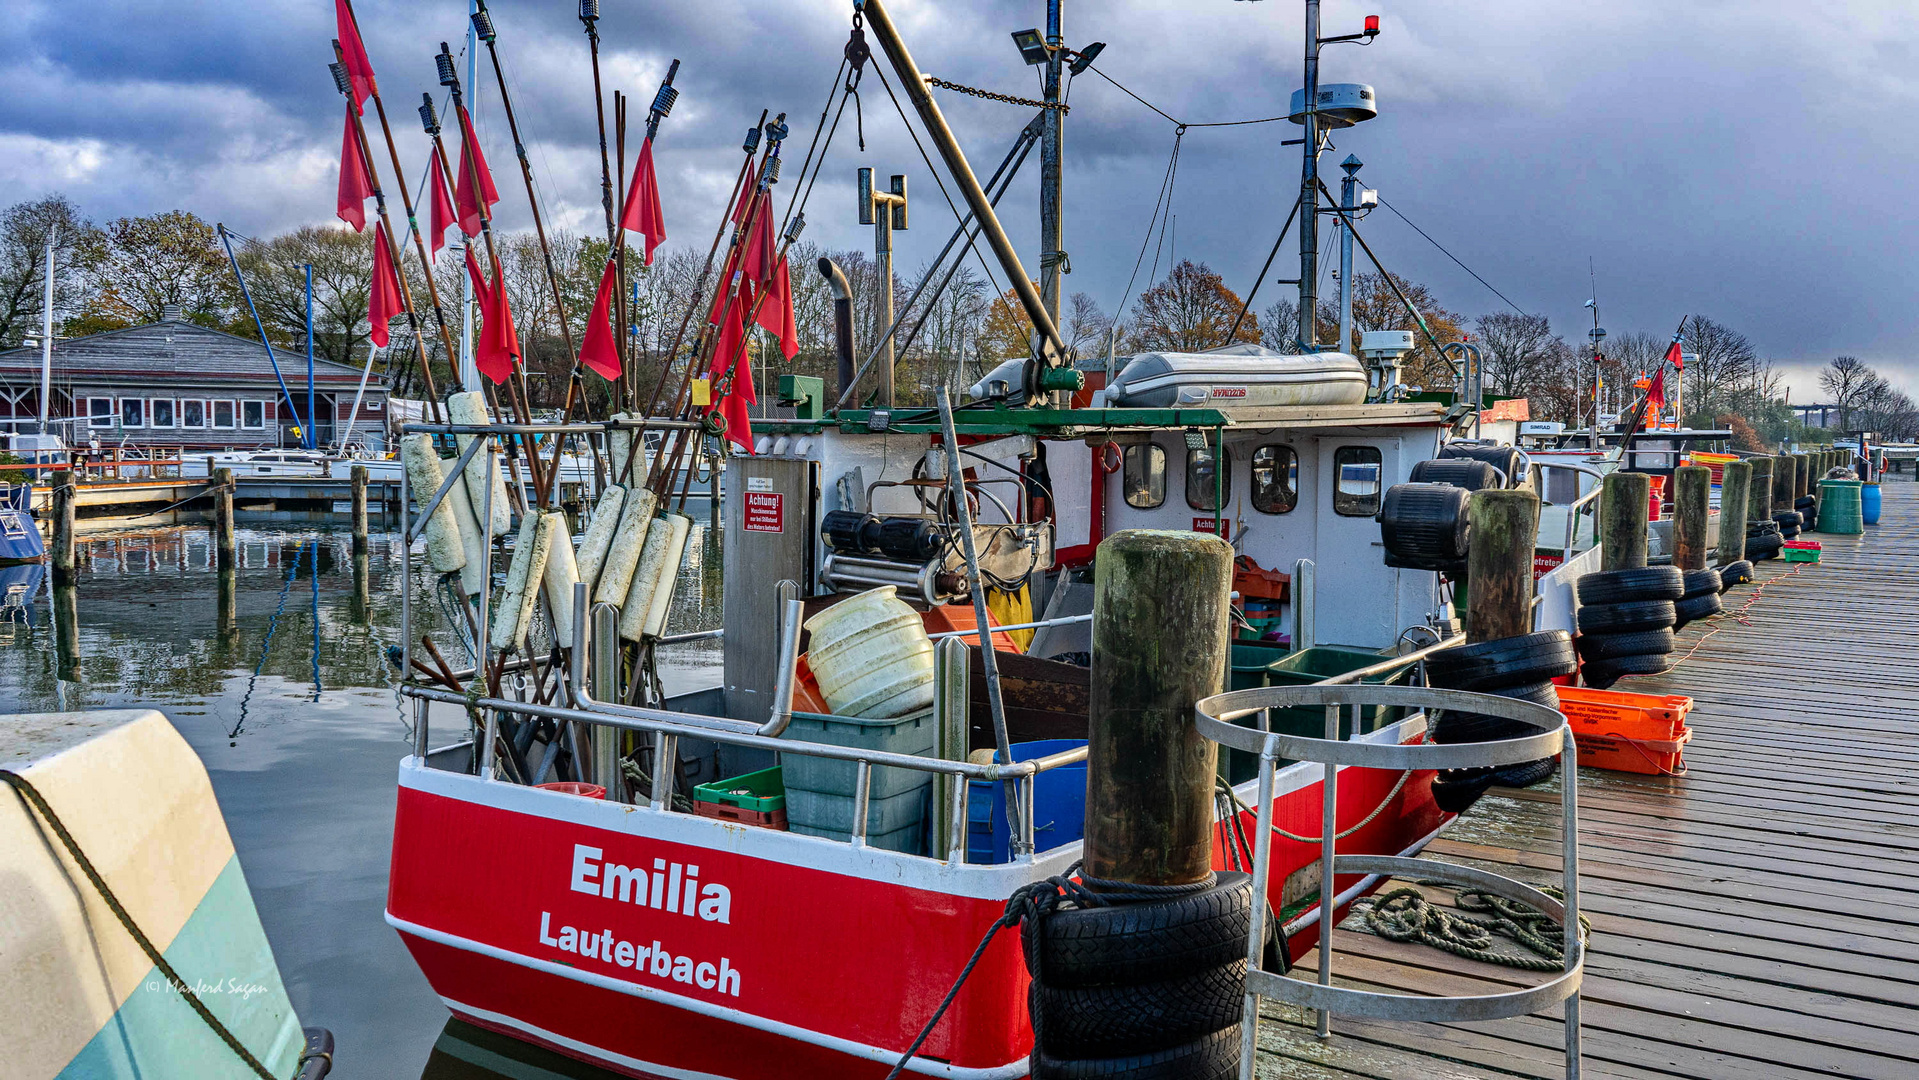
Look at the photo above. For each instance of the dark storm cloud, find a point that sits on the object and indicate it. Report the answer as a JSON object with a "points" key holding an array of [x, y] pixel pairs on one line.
{"points": [[1745, 161]]}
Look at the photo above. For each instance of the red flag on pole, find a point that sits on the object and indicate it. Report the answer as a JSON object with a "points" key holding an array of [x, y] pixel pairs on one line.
{"points": [[776, 314], [1674, 356], [383, 299], [470, 209], [499, 347], [729, 354], [356, 184], [353, 54], [1656, 393], [600, 350], [441, 216], [642, 212], [481, 293]]}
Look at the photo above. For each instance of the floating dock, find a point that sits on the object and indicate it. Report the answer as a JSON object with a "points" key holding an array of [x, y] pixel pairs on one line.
{"points": [[1758, 917]]}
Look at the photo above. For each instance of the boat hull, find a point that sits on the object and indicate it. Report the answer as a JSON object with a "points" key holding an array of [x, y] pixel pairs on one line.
{"points": [[802, 957]]}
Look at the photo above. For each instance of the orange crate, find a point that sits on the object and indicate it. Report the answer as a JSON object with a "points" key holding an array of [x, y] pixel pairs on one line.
{"points": [[1626, 732]]}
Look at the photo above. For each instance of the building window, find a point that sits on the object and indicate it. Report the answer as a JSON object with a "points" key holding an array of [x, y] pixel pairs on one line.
{"points": [[100, 412], [1204, 483], [253, 414], [193, 413], [1144, 476], [1356, 481], [223, 414], [1275, 479], [133, 412], [162, 412]]}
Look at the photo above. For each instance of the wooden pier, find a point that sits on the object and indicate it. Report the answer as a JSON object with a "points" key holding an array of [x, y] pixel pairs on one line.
{"points": [[1758, 917]]}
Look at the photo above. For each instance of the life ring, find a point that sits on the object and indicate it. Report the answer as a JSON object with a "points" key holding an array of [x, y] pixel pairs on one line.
{"points": [[1111, 458]]}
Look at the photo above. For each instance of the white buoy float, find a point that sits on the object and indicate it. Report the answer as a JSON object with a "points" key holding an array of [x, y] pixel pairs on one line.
{"points": [[523, 578], [653, 580], [444, 550], [472, 541], [599, 534], [629, 542], [469, 409], [562, 573]]}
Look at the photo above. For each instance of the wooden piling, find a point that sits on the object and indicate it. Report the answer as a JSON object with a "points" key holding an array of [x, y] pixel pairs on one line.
{"points": [[359, 509], [1623, 508], [1802, 475], [225, 619], [1499, 564], [360, 607], [66, 621], [1735, 483], [223, 518], [1692, 512], [1759, 493], [1160, 643], [62, 554], [1782, 483]]}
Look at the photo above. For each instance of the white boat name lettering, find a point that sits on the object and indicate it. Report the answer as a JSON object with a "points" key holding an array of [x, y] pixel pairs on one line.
{"points": [[654, 959], [673, 888]]}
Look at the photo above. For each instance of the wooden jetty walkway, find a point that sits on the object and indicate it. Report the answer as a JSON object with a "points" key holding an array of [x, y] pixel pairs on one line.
{"points": [[1758, 917]]}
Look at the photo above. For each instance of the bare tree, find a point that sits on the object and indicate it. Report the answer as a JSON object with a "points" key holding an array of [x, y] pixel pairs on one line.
{"points": [[1851, 384], [1723, 368], [1517, 350], [1087, 326]]}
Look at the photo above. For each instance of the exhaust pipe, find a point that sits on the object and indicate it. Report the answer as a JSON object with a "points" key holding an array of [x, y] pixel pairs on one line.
{"points": [[843, 345]]}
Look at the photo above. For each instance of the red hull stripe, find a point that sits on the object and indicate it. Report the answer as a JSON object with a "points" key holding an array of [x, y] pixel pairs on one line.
{"points": [[692, 1005]]}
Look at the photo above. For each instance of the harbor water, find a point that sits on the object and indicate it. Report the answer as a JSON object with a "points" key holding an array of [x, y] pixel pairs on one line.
{"points": [[280, 683]]}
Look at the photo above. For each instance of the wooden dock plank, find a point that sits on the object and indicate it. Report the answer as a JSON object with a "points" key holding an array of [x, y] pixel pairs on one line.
{"points": [[1758, 917]]}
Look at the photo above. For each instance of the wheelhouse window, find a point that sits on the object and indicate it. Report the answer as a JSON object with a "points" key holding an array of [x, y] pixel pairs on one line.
{"points": [[223, 414], [162, 412], [1143, 476], [1205, 481], [1275, 479], [133, 412], [253, 414], [193, 413], [1356, 481], [100, 412]]}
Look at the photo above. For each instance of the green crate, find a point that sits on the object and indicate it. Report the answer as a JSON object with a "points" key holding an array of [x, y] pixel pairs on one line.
{"points": [[1252, 661], [762, 792], [1792, 554], [1303, 668]]}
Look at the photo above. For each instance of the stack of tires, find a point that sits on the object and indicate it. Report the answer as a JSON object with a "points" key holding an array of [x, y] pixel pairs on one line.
{"points": [[1626, 620], [1150, 991], [1763, 540], [1808, 511], [1701, 597], [1522, 667]]}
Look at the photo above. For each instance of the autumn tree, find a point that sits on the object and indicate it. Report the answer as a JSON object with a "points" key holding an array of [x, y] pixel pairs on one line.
{"points": [[1008, 333], [24, 228], [148, 264], [1190, 310], [342, 264]]}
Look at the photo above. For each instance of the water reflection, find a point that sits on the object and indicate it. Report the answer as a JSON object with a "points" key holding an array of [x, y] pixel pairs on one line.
{"points": [[275, 672]]}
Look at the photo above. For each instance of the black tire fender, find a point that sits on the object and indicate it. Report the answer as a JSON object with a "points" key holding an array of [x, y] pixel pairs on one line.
{"points": [[1147, 942], [1701, 582], [1632, 615], [1737, 572], [1139, 1018], [1627, 643], [1611, 668], [1209, 1057], [1699, 607], [1494, 665], [1634, 583]]}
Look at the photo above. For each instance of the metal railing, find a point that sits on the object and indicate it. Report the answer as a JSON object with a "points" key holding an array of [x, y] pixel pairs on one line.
{"points": [[1215, 720]]}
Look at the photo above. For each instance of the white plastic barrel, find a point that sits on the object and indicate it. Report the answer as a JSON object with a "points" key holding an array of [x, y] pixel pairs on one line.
{"points": [[871, 656]]}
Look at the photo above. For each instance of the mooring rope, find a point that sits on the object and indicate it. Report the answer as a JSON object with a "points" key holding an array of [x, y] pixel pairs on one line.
{"points": [[1405, 914], [34, 799]]}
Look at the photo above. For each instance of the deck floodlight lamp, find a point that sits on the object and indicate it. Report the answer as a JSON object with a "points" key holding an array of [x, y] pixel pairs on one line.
{"points": [[1085, 57], [1032, 46]]}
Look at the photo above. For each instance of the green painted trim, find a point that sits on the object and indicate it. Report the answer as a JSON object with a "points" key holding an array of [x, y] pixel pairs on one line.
{"points": [[1001, 420], [155, 1034]]}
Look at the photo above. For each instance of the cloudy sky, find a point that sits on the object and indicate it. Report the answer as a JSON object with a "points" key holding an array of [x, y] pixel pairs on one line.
{"points": [[1749, 161]]}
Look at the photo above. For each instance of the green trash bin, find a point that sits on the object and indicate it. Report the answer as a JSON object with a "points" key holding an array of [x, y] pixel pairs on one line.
{"points": [[1841, 511], [1310, 666], [1252, 663]]}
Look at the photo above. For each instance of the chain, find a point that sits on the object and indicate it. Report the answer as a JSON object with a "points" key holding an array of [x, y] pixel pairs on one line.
{"points": [[991, 96]]}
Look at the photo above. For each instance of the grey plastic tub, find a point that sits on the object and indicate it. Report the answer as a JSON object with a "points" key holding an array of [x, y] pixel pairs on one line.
{"points": [[913, 734]]}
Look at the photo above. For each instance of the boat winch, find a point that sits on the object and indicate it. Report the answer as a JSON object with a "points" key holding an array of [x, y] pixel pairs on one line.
{"points": [[922, 555]]}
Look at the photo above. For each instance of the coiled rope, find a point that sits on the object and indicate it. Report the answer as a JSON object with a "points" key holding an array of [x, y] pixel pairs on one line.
{"points": [[1405, 914], [34, 799]]}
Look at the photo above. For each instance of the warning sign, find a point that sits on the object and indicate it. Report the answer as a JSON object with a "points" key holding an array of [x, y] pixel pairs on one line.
{"points": [[765, 512], [1545, 563], [1205, 525]]}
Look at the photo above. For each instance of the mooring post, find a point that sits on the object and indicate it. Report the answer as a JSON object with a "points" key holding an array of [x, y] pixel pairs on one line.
{"points": [[1802, 474], [63, 509], [1782, 484], [225, 584], [1499, 564], [359, 509], [1759, 493], [1160, 602], [66, 622], [223, 517], [1735, 481], [1623, 509], [1691, 515]]}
